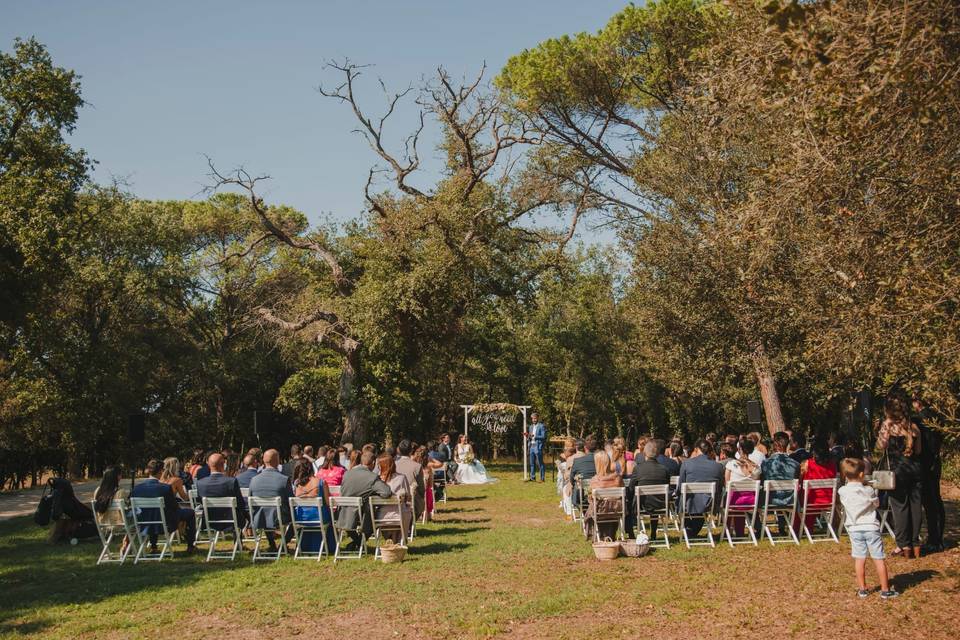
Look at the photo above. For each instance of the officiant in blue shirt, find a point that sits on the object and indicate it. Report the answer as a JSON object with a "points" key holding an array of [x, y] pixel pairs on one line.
{"points": [[537, 435]]}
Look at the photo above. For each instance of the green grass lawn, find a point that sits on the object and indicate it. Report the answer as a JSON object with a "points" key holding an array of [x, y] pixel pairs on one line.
{"points": [[499, 559]]}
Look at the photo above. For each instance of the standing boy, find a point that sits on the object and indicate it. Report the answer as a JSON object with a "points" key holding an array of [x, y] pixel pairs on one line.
{"points": [[860, 504]]}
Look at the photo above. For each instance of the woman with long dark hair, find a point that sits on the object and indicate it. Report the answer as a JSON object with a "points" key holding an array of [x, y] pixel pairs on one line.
{"points": [[108, 491], [899, 443]]}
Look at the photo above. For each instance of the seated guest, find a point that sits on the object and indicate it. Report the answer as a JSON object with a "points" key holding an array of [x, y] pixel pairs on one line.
{"points": [[727, 451], [343, 455], [780, 466], [606, 477], [171, 476], [321, 456], [249, 471], [400, 487], [427, 467], [354, 459], [153, 488], [360, 482], [330, 471], [107, 491], [618, 458], [413, 471], [307, 485], [291, 463], [739, 468], [759, 450], [204, 469], [798, 447], [700, 468], [198, 460], [584, 466], [219, 485], [308, 453], [651, 471], [255, 455], [270, 483], [819, 466], [672, 465]]}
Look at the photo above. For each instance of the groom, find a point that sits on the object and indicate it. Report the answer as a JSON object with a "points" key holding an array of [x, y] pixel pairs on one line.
{"points": [[537, 435]]}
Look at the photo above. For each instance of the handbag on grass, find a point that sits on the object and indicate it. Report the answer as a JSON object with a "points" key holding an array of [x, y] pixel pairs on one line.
{"points": [[884, 479]]}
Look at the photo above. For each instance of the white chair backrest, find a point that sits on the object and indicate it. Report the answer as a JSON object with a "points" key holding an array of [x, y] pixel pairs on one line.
{"points": [[780, 485], [140, 505], [316, 503], [340, 501], [826, 483], [688, 488], [674, 480], [609, 493], [245, 492], [254, 503], [333, 489], [653, 490], [743, 486], [117, 507], [220, 503]]}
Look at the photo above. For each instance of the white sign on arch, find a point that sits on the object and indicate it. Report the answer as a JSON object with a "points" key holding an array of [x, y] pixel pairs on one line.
{"points": [[496, 418]]}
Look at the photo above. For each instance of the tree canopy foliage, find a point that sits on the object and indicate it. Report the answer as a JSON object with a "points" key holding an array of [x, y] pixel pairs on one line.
{"points": [[783, 181]]}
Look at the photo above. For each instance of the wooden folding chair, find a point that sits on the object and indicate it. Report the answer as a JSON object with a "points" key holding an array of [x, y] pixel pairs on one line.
{"points": [[123, 530], [825, 510], [221, 526], [375, 505], [783, 514], [747, 513], [256, 506], [337, 503], [661, 491], [315, 527], [690, 489], [149, 515]]}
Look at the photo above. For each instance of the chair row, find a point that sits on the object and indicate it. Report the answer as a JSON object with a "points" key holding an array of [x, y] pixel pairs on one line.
{"points": [[125, 527], [734, 515]]}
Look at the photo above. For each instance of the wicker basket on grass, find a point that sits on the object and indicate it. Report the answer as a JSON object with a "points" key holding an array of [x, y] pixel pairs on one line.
{"points": [[391, 552], [606, 549], [634, 549]]}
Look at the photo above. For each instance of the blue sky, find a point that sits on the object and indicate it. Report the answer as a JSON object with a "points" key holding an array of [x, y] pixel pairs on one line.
{"points": [[168, 82]]}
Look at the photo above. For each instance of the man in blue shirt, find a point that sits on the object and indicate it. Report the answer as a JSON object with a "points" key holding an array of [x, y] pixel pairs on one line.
{"points": [[537, 435]]}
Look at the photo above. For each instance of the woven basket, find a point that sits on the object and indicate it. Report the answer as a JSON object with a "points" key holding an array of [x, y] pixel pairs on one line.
{"points": [[606, 550], [631, 549], [390, 552]]}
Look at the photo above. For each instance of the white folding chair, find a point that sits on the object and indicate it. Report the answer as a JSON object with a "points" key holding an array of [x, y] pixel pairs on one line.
{"points": [[674, 512], [579, 501], [255, 506], [823, 509], [333, 490], [109, 530], [746, 512], [690, 489], [618, 495], [148, 513], [200, 537], [784, 514], [662, 492], [221, 526], [381, 524], [440, 486], [885, 523], [315, 527], [337, 503]]}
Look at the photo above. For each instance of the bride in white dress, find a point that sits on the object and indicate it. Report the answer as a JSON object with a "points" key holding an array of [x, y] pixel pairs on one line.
{"points": [[469, 469]]}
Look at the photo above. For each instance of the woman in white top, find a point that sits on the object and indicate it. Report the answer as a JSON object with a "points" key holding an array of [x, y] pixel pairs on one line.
{"points": [[742, 468]]}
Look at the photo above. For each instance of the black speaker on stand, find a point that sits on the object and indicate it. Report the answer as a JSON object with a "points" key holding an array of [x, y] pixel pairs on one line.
{"points": [[754, 414], [136, 434], [262, 426]]}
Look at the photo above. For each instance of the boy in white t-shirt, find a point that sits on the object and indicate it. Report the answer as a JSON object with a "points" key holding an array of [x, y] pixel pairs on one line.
{"points": [[860, 504]]}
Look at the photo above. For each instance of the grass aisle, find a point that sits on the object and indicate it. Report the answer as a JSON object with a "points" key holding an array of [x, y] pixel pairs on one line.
{"points": [[499, 559]]}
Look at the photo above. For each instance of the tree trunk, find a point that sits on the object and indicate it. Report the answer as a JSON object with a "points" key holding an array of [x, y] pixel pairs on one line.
{"points": [[768, 391], [354, 429]]}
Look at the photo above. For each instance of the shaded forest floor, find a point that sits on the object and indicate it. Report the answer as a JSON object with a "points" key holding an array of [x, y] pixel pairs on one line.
{"points": [[498, 561]]}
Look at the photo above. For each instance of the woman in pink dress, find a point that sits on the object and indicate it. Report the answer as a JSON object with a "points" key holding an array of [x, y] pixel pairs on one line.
{"points": [[331, 472]]}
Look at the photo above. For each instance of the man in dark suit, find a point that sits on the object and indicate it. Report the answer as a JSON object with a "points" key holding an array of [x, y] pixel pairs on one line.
{"points": [[413, 471], [360, 482], [249, 472], [219, 485], [699, 467], [583, 467], [798, 448], [671, 465], [271, 483], [289, 465], [446, 455], [153, 488], [647, 472]]}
